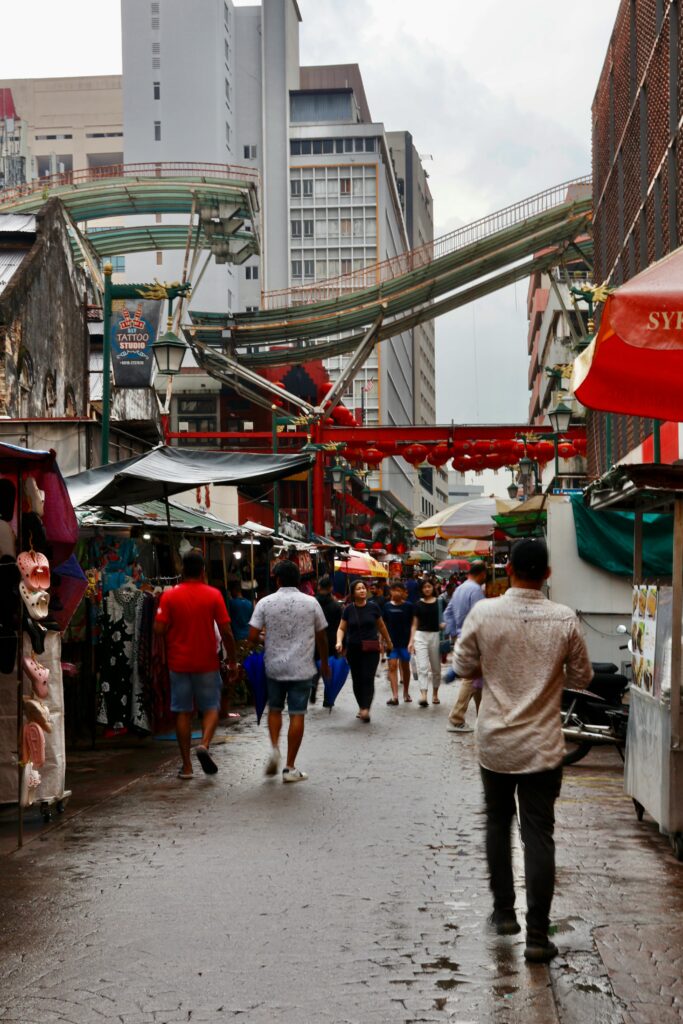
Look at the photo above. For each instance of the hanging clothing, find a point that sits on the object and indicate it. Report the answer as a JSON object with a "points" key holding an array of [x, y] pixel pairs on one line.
{"points": [[116, 669]]}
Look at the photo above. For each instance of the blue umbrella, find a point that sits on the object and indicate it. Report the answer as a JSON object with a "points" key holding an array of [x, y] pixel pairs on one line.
{"points": [[255, 670], [339, 670]]}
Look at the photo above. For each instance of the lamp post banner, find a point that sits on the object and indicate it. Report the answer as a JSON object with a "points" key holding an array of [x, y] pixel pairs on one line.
{"points": [[134, 329]]}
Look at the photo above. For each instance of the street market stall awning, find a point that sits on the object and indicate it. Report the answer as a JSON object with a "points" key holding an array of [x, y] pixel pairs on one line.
{"points": [[153, 513], [166, 470], [358, 563], [472, 519], [634, 365]]}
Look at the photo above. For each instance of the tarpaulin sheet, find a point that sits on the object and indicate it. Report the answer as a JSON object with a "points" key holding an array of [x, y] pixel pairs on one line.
{"points": [[168, 470], [605, 539]]}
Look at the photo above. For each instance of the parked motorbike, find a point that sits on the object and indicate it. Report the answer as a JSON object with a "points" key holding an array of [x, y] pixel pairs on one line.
{"points": [[596, 716]]}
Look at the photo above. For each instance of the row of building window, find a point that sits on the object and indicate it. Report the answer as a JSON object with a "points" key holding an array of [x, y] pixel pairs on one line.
{"points": [[333, 186], [321, 269], [363, 227], [306, 147]]}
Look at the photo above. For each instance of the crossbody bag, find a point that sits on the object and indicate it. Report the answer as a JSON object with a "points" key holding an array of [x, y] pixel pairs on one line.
{"points": [[367, 646]]}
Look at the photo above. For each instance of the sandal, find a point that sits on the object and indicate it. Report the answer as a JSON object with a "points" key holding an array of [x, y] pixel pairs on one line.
{"points": [[208, 764], [423, 703], [435, 700], [393, 702], [407, 699], [184, 775]]}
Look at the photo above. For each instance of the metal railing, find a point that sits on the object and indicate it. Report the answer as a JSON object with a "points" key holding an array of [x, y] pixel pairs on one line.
{"points": [[93, 175], [375, 273]]}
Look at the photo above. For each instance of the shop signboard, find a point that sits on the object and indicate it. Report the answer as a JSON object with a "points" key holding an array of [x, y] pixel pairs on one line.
{"points": [[134, 329], [644, 637]]}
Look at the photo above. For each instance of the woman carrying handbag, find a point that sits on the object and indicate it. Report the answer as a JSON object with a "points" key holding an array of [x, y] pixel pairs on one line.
{"points": [[358, 631]]}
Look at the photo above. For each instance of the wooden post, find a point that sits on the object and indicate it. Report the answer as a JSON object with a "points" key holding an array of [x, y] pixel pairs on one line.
{"points": [[676, 625]]}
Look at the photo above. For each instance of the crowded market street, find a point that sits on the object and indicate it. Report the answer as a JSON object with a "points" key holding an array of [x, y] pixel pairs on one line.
{"points": [[360, 896]]}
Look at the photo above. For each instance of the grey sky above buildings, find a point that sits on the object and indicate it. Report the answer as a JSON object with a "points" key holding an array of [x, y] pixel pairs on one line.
{"points": [[497, 93]]}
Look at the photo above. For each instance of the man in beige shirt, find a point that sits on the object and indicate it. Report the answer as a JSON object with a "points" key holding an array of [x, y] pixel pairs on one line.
{"points": [[527, 648]]}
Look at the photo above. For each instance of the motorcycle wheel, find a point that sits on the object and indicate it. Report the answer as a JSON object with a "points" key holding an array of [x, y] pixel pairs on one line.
{"points": [[577, 754]]}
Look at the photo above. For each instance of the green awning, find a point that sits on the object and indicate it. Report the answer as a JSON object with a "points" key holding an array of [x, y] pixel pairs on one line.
{"points": [[605, 539]]}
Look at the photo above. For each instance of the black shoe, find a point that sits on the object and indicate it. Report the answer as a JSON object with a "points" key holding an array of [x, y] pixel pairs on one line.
{"points": [[505, 922], [539, 949], [326, 705]]}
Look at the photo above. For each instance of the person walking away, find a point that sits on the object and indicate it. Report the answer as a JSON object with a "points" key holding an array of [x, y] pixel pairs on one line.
{"points": [[424, 643], [527, 648], [332, 610], [294, 626], [360, 624], [459, 607], [187, 618], [398, 618], [412, 586], [240, 609]]}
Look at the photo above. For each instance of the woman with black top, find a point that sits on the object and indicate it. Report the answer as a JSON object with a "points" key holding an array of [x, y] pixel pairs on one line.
{"points": [[424, 643], [360, 623]]}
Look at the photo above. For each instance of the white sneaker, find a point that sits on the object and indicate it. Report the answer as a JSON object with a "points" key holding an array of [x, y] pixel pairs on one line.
{"points": [[460, 728], [273, 762], [293, 775]]}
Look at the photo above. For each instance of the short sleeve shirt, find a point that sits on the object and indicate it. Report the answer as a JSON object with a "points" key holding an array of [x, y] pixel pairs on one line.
{"points": [[192, 610], [398, 619], [361, 623], [291, 620]]}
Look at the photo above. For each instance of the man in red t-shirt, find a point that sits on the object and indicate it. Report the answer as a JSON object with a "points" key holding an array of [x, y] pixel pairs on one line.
{"points": [[187, 617]]}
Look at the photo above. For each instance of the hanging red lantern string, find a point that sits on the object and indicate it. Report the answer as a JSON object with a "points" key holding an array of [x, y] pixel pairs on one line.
{"points": [[372, 457], [566, 450], [439, 455]]}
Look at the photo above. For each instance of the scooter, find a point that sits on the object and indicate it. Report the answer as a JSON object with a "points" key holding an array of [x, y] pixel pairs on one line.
{"points": [[597, 716]]}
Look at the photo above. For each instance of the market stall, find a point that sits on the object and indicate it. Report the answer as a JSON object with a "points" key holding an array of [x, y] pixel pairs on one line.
{"points": [[38, 588], [653, 772]]}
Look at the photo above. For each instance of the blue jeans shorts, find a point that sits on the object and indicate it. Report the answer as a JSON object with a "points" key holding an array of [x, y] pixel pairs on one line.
{"points": [[200, 688], [399, 654], [296, 692]]}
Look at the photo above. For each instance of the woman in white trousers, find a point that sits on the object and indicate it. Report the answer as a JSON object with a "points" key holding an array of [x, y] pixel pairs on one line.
{"points": [[424, 643]]}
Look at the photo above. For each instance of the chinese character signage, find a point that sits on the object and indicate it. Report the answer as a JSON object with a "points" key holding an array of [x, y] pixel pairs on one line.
{"points": [[134, 329]]}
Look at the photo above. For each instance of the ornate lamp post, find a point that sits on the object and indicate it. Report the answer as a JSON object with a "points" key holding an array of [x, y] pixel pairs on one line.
{"points": [[560, 418]]}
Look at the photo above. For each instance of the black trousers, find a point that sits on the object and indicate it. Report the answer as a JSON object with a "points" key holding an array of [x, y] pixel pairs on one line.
{"points": [[536, 793], [363, 665]]}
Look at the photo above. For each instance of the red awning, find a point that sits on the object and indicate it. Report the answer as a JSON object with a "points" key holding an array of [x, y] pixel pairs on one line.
{"points": [[356, 507], [634, 365]]}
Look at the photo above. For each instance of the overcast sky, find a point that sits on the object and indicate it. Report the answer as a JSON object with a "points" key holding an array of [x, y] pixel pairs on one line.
{"points": [[498, 93]]}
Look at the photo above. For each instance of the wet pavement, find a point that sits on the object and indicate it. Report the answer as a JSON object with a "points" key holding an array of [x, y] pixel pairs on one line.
{"points": [[357, 896]]}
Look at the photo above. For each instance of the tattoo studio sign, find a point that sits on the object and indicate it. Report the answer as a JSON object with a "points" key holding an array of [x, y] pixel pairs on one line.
{"points": [[134, 329]]}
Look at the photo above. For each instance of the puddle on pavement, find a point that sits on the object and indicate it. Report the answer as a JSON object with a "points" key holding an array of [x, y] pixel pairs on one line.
{"points": [[449, 983], [442, 963]]}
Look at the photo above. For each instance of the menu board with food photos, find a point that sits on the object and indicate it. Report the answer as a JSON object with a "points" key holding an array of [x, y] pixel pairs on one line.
{"points": [[644, 635]]}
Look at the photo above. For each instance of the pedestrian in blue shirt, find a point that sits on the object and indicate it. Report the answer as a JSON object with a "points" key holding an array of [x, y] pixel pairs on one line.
{"points": [[459, 607], [398, 618]]}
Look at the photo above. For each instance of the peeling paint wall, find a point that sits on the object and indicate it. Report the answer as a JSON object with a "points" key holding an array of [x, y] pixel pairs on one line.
{"points": [[43, 337]]}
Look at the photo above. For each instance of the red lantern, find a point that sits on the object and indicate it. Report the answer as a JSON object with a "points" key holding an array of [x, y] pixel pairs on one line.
{"points": [[545, 451], [389, 548], [372, 456], [400, 549], [494, 461], [360, 546], [377, 546], [439, 455], [581, 445], [353, 454], [482, 447], [388, 450], [415, 454], [566, 450], [462, 463]]}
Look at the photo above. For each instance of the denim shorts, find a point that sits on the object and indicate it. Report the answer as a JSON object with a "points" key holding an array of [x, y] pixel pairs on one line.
{"points": [[200, 688], [296, 691], [399, 654]]}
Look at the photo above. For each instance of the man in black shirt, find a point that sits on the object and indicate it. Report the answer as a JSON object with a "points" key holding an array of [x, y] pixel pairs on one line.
{"points": [[332, 610]]}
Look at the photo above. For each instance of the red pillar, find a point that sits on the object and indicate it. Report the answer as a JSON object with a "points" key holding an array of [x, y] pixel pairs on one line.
{"points": [[318, 485]]}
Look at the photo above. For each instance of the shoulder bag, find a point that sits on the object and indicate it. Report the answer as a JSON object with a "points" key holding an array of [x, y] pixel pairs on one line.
{"points": [[366, 646]]}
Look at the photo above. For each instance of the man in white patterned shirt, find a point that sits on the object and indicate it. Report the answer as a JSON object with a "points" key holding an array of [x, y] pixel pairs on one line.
{"points": [[527, 648], [294, 624]]}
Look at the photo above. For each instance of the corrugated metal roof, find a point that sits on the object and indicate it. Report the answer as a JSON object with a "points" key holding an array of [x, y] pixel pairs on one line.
{"points": [[153, 513], [17, 223], [9, 263]]}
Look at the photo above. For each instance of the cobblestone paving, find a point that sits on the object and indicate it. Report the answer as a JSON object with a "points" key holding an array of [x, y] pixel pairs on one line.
{"points": [[359, 896]]}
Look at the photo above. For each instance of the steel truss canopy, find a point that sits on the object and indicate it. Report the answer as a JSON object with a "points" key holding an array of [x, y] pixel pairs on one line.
{"points": [[535, 234], [220, 200]]}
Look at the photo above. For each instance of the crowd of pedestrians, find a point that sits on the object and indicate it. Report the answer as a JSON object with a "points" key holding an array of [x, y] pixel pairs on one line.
{"points": [[512, 656]]}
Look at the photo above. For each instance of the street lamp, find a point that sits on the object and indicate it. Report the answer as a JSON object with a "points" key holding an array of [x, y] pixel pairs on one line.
{"points": [[169, 351], [560, 418], [513, 489]]}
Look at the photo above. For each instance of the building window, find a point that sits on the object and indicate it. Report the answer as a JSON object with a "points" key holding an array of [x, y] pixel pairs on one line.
{"points": [[156, 63], [251, 273], [42, 138], [345, 225], [308, 229], [345, 186], [296, 228], [227, 52], [346, 266], [250, 152], [309, 268], [156, 90], [157, 131], [296, 268], [156, 49], [251, 309], [228, 91], [308, 187], [160, 259], [227, 134], [100, 135], [226, 16], [197, 415], [295, 187], [118, 264]]}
